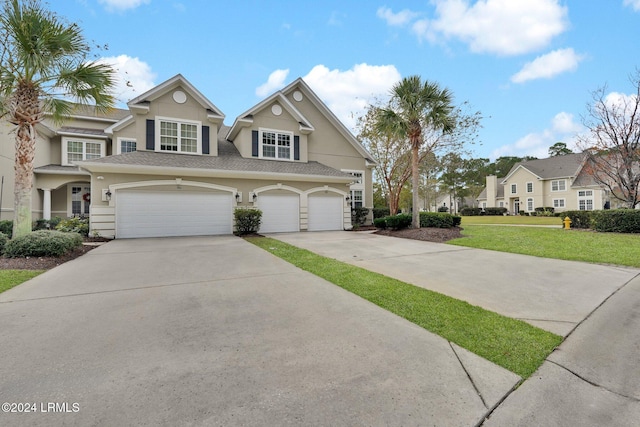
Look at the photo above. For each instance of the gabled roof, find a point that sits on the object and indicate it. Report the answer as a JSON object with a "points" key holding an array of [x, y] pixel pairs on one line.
{"points": [[246, 119], [567, 166], [142, 101]]}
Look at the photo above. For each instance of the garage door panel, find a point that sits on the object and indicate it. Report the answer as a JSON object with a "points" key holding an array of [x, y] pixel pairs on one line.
{"points": [[326, 213], [163, 213], [280, 213]]}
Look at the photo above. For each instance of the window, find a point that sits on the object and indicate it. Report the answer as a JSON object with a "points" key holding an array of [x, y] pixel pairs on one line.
{"points": [[514, 188], [529, 187], [126, 145], [501, 204], [356, 188], [178, 136], [75, 150], [80, 199], [276, 145], [529, 204], [558, 203], [559, 185], [585, 200]]}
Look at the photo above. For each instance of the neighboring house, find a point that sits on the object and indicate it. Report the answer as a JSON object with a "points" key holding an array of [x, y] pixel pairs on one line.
{"points": [[558, 182], [452, 204], [168, 166]]}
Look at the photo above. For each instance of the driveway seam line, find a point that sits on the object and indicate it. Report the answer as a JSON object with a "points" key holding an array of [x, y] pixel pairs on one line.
{"points": [[141, 288], [409, 255], [635, 399], [468, 375]]}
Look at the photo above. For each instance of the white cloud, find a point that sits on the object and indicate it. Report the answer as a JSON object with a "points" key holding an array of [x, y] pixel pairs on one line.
{"points": [[617, 99], [396, 19], [635, 4], [336, 18], [347, 93], [502, 27], [121, 5], [563, 128], [134, 76], [548, 65], [275, 82]]}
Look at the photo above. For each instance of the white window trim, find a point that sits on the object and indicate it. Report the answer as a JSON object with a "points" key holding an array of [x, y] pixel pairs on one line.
{"points": [[276, 131], [69, 197], [65, 154], [159, 119], [513, 188], [559, 181], [564, 203], [527, 187], [357, 186], [119, 143], [587, 198], [530, 204]]}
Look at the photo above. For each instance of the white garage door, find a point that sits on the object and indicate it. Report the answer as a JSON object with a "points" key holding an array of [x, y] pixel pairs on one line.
{"points": [[280, 212], [326, 213], [172, 213]]}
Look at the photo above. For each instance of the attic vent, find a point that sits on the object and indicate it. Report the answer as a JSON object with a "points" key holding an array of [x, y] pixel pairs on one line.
{"points": [[180, 97]]}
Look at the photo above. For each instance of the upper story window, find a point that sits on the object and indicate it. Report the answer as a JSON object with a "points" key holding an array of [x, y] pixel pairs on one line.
{"points": [[529, 187], [276, 144], [514, 188], [178, 136], [559, 185], [126, 145], [74, 150], [356, 188]]}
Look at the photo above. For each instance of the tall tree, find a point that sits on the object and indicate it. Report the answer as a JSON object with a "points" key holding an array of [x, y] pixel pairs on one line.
{"points": [[559, 149], [43, 65], [416, 107], [612, 143]]}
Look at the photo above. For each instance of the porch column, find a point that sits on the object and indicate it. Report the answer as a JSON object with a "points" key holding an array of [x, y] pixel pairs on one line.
{"points": [[46, 203]]}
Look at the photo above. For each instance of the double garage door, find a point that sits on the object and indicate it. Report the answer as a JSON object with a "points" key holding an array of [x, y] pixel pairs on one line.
{"points": [[173, 213], [281, 213]]}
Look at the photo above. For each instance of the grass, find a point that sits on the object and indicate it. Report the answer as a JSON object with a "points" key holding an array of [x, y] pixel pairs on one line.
{"points": [[512, 344], [11, 278], [573, 245], [511, 220]]}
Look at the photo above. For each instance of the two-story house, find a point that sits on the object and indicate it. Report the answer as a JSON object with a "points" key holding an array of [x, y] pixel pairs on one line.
{"points": [[559, 182], [169, 166]]}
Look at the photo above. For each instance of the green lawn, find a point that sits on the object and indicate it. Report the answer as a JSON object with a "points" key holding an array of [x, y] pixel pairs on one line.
{"points": [[513, 344], [11, 278], [575, 245], [513, 219]]}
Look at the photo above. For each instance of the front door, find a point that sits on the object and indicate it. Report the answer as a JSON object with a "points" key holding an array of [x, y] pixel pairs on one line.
{"points": [[80, 200], [516, 207]]}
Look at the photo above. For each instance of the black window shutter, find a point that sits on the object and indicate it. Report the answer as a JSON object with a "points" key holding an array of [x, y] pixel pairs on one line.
{"points": [[151, 135], [205, 139], [254, 143], [296, 147]]}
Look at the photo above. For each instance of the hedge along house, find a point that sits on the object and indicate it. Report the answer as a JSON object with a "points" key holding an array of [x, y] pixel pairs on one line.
{"points": [[559, 182], [168, 166]]}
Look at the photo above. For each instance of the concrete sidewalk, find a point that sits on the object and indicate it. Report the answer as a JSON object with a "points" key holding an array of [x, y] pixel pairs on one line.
{"points": [[592, 379], [215, 331], [551, 294]]}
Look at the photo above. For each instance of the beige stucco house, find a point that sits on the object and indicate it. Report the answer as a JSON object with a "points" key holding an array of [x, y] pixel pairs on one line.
{"points": [[169, 166], [559, 182]]}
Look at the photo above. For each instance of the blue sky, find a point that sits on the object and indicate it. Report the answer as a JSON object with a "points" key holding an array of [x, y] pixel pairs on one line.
{"points": [[528, 65]]}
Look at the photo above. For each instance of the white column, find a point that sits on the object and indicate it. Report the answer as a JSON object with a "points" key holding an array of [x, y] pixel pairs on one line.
{"points": [[46, 203]]}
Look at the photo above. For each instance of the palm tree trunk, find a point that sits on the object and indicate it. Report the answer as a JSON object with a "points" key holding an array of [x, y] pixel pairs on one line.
{"points": [[25, 152], [415, 183]]}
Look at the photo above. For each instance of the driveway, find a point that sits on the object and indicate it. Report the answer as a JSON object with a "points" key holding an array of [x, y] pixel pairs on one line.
{"points": [[215, 331]]}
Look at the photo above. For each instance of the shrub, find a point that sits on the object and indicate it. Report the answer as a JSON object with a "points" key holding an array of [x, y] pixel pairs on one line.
{"points": [[380, 223], [247, 220], [457, 220], [436, 219], [46, 224], [617, 221], [6, 227], [398, 222], [579, 219], [470, 211], [359, 216], [3, 242], [43, 243], [74, 225], [544, 211], [443, 209], [381, 212], [495, 211]]}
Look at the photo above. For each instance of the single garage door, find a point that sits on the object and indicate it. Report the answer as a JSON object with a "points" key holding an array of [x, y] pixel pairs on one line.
{"points": [[172, 213], [280, 212], [326, 213]]}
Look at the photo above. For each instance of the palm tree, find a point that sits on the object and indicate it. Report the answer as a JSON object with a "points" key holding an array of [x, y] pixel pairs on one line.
{"points": [[415, 107], [43, 65]]}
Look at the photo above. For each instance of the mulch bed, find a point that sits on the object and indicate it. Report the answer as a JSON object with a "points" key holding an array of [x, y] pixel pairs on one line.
{"points": [[437, 235], [42, 263]]}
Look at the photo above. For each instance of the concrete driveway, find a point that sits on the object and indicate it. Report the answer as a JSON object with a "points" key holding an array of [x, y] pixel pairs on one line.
{"points": [[214, 331]]}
